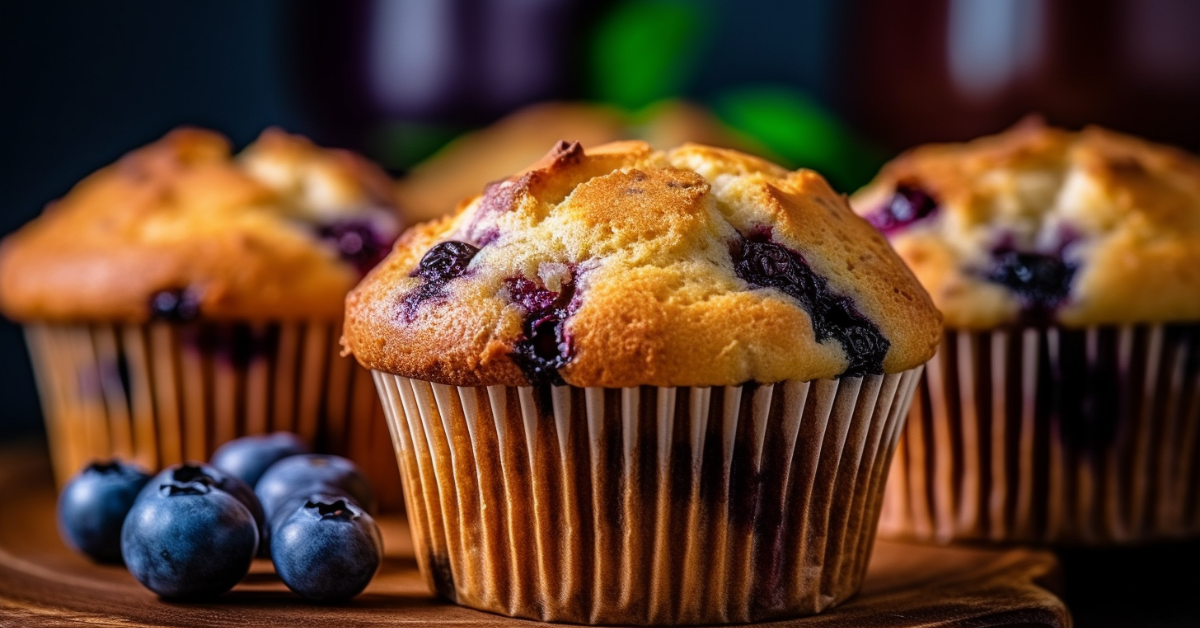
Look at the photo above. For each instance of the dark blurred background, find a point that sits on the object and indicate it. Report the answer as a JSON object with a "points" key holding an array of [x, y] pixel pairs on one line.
{"points": [[837, 85]]}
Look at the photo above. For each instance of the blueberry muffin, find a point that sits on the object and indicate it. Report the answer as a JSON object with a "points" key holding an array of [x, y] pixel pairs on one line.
{"points": [[693, 361], [184, 296], [1061, 405]]}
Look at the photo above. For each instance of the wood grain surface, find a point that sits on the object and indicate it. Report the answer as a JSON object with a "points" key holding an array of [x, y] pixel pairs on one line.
{"points": [[42, 583]]}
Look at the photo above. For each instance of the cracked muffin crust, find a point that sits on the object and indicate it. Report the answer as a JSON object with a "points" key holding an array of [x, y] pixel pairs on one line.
{"points": [[1041, 225], [623, 266], [181, 229]]}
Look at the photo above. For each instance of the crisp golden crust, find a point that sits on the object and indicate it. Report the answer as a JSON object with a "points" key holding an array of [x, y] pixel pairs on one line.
{"points": [[241, 234], [1122, 215], [643, 242]]}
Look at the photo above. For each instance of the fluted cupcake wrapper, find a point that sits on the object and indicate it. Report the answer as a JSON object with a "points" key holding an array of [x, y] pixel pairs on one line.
{"points": [[1087, 436], [646, 505], [159, 394]]}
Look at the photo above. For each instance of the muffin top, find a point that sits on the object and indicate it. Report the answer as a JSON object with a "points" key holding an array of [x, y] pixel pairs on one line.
{"points": [[182, 229], [1040, 225], [622, 266]]}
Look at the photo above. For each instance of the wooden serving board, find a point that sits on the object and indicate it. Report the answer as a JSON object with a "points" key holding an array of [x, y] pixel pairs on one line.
{"points": [[42, 583]]}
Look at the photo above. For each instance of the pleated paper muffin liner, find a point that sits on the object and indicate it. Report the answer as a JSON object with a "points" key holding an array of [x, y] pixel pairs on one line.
{"points": [[1059, 436], [161, 394], [646, 505]]}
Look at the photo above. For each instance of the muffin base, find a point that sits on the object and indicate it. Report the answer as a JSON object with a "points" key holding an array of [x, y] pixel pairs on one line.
{"points": [[646, 505], [160, 394], [1087, 436]]}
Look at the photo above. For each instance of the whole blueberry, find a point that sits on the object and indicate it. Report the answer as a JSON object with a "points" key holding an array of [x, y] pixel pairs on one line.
{"points": [[248, 457], [327, 549], [93, 505], [362, 242], [188, 540], [906, 206], [445, 261], [313, 473], [207, 474], [178, 305]]}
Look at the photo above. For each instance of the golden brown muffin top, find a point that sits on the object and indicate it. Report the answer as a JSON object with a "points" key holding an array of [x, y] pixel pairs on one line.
{"points": [[1041, 225], [623, 266], [182, 229]]}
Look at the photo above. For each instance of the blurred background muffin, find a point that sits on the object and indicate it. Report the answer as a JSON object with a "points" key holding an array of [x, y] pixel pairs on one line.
{"points": [[184, 296], [1062, 405]]}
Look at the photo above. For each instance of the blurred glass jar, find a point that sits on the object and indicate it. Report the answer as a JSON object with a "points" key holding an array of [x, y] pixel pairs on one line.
{"points": [[396, 78], [940, 70]]}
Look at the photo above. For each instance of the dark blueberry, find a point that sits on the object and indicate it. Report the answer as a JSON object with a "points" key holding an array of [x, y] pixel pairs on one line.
{"points": [[1042, 281], [179, 305], [93, 505], [762, 263], [327, 549], [544, 345], [198, 472], [188, 540], [445, 261], [907, 205], [363, 243], [313, 473], [248, 457]]}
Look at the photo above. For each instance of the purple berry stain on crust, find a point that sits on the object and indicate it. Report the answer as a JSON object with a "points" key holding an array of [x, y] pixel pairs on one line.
{"points": [[359, 242], [762, 263], [1041, 280], [177, 305], [907, 205], [442, 263], [545, 344]]}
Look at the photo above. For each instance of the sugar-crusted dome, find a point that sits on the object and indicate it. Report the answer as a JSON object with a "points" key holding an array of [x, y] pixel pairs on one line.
{"points": [[182, 228], [623, 266], [1039, 225]]}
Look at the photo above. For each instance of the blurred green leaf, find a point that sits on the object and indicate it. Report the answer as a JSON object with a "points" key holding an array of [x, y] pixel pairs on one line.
{"points": [[801, 132], [644, 50], [399, 145]]}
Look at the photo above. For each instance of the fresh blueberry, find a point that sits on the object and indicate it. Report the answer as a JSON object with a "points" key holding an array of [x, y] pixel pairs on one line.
{"points": [[93, 505], [313, 473], [248, 457], [1042, 281], [763, 263], [188, 540], [179, 305], [224, 482], [907, 205], [445, 261], [328, 548], [361, 242]]}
